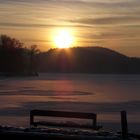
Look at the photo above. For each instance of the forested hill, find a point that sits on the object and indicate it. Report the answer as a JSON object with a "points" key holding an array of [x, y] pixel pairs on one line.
{"points": [[16, 59], [87, 60]]}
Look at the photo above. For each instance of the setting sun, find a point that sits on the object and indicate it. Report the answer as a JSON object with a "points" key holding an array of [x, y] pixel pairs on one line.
{"points": [[63, 38]]}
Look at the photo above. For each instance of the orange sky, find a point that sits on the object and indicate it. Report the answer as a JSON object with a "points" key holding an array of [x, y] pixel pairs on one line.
{"points": [[112, 24]]}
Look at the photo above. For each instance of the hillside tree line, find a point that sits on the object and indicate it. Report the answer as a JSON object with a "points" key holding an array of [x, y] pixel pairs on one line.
{"points": [[15, 58]]}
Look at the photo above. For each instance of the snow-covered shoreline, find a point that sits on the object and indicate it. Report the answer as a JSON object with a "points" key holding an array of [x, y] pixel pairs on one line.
{"points": [[17, 133], [59, 133]]}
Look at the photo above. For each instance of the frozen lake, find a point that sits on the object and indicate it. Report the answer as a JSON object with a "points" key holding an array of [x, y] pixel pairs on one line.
{"points": [[105, 95]]}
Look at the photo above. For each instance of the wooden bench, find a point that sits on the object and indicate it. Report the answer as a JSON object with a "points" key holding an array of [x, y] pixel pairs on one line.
{"points": [[65, 114]]}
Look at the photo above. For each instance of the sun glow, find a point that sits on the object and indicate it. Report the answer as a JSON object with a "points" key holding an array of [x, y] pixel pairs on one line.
{"points": [[63, 38]]}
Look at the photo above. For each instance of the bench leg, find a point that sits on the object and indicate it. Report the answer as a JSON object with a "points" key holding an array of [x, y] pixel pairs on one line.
{"points": [[31, 119]]}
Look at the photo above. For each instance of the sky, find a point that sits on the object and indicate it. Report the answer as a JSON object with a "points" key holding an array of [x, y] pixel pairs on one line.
{"points": [[113, 24]]}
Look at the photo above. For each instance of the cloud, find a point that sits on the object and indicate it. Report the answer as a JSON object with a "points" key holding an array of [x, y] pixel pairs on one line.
{"points": [[98, 3], [27, 25], [128, 20], [35, 25], [111, 35]]}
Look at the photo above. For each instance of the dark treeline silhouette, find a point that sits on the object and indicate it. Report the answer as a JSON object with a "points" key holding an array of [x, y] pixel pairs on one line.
{"points": [[15, 58], [88, 60]]}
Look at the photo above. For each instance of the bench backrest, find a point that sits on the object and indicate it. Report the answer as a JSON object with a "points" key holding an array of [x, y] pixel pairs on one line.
{"points": [[65, 114]]}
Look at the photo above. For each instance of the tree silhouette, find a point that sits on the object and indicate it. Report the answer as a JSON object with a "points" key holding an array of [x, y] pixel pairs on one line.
{"points": [[9, 43], [15, 58], [33, 51]]}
